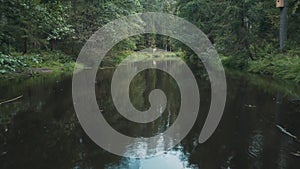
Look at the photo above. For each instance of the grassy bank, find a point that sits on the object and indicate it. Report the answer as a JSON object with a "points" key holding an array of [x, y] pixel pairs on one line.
{"points": [[280, 66], [30, 64], [17, 64]]}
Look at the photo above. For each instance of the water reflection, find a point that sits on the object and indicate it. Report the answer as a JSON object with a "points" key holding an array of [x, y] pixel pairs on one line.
{"points": [[174, 159], [41, 129], [170, 131]]}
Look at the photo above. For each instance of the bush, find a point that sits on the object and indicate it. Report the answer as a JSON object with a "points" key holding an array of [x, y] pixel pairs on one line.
{"points": [[239, 63], [11, 64], [283, 67], [17, 62]]}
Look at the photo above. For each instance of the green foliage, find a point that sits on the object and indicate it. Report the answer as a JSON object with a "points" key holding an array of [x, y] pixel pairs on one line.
{"points": [[241, 28], [11, 64], [52, 18], [278, 66], [54, 61], [27, 24], [118, 58], [246, 34], [239, 63]]}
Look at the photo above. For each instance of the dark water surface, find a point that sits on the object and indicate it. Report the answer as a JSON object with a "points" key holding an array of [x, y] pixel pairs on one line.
{"points": [[259, 128]]}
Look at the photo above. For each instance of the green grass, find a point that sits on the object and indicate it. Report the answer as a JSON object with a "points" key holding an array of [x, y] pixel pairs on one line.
{"points": [[284, 66]]}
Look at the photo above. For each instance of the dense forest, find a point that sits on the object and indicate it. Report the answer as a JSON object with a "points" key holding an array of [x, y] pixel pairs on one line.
{"points": [[35, 33]]}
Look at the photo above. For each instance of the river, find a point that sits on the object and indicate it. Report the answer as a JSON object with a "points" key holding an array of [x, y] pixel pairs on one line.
{"points": [[259, 128]]}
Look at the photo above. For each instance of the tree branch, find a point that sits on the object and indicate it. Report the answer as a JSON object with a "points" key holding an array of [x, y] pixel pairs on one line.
{"points": [[11, 100]]}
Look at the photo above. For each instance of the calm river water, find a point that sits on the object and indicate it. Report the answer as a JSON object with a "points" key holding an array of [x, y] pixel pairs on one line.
{"points": [[259, 129]]}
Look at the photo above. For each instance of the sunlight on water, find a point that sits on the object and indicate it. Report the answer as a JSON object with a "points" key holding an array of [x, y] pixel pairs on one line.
{"points": [[174, 159]]}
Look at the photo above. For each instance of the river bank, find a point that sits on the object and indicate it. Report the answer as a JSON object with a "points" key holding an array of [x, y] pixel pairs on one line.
{"points": [[279, 66], [283, 66], [16, 64]]}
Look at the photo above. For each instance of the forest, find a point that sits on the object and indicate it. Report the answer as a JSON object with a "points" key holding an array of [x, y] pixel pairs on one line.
{"points": [[50, 33]]}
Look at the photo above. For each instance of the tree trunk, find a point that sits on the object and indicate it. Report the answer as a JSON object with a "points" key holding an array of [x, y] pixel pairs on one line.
{"points": [[25, 45], [52, 43], [283, 25]]}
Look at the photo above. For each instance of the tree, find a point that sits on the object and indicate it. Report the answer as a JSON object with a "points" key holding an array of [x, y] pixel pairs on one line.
{"points": [[33, 23]]}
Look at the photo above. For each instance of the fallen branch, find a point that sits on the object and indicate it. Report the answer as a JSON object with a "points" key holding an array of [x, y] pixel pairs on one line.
{"points": [[11, 100], [284, 131], [287, 133], [297, 154]]}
